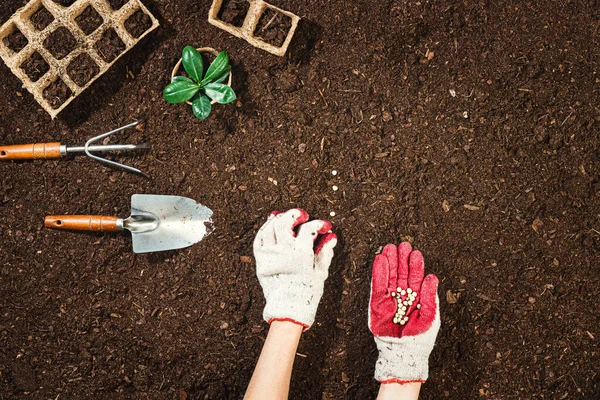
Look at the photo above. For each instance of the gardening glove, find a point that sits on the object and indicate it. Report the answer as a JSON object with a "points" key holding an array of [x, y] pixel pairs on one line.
{"points": [[404, 314], [292, 263]]}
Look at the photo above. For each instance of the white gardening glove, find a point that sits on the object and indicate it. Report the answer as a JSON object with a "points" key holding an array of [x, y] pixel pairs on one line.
{"points": [[291, 267], [404, 315]]}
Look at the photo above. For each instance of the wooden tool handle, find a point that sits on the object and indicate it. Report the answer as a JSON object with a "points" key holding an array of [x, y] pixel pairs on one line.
{"points": [[30, 151], [95, 223]]}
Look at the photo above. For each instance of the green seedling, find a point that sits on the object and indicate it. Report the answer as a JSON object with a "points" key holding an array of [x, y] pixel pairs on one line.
{"points": [[202, 86]]}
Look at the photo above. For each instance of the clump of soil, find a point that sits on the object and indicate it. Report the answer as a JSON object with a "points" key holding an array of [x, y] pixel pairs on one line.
{"points": [[234, 11], [16, 41], [41, 19], [273, 27], [138, 23], [117, 4], [110, 45], [65, 3], [35, 67], [60, 43], [82, 69], [89, 20], [57, 93]]}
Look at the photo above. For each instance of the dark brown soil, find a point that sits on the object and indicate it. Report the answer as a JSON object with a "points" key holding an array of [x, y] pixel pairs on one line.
{"points": [[57, 93], [110, 45], [41, 18], [64, 3], [35, 66], [273, 27], [16, 41], [60, 43], [234, 11], [468, 127], [82, 69], [89, 20], [117, 4], [138, 23]]}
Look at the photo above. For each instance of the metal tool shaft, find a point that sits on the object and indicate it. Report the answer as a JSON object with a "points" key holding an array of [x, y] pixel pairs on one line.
{"points": [[102, 148]]}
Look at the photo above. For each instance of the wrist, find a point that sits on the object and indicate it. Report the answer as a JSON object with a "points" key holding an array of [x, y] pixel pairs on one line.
{"points": [[393, 390], [286, 333]]}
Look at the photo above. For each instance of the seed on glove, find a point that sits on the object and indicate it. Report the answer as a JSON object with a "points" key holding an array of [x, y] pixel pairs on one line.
{"points": [[404, 299], [419, 306]]}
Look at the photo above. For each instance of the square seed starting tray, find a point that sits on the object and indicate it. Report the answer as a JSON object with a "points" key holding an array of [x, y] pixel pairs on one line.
{"points": [[257, 9], [59, 51]]}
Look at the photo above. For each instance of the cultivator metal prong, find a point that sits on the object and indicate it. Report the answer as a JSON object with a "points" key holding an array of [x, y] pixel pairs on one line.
{"points": [[102, 148]]}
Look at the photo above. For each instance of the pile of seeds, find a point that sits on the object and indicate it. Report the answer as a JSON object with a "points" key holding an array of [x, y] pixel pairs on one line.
{"points": [[404, 300]]}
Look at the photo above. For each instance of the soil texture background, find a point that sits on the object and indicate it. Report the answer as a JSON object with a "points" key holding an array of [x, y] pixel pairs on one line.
{"points": [[470, 128]]}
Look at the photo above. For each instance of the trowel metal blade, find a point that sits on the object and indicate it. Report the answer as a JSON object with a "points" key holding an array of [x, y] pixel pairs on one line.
{"points": [[181, 222]]}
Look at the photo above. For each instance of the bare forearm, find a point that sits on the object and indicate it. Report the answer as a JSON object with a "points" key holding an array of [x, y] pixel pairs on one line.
{"points": [[396, 391], [271, 378]]}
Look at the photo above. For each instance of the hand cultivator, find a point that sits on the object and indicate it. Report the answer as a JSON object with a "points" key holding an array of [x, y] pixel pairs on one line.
{"points": [[53, 150]]}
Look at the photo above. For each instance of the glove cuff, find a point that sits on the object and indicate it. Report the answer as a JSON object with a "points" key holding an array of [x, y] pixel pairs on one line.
{"points": [[294, 302], [402, 360]]}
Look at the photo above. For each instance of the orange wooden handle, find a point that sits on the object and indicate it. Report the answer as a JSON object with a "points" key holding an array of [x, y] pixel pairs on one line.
{"points": [[30, 151], [96, 223]]}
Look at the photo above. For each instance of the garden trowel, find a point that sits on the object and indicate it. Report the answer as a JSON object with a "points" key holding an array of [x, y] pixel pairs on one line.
{"points": [[156, 223]]}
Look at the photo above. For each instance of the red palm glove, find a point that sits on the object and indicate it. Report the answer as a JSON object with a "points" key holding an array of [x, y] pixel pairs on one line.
{"points": [[404, 314]]}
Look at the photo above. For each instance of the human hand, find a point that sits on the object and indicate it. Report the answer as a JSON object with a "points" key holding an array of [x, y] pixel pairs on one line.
{"points": [[292, 263], [404, 314]]}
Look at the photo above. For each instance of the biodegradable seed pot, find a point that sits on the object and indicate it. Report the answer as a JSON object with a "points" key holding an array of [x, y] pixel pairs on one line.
{"points": [[204, 86]]}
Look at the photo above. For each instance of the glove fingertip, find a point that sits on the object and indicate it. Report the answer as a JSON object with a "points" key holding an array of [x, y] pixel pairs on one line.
{"points": [[325, 228], [431, 282], [329, 240]]}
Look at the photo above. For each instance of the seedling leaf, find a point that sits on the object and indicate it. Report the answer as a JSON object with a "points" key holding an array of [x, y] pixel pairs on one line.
{"points": [[193, 63], [181, 78], [223, 75], [217, 67], [220, 93], [180, 91], [201, 107]]}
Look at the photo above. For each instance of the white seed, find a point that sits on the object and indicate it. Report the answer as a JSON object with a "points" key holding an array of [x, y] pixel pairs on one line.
{"points": [[403, 292], [410, 302], [395, 320], [335, 188], [334, 172], [419, 306], [393, 294], [403, 308], [402, 322], [409, 290], [399, 289], [332, 213], [405, 302]]}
